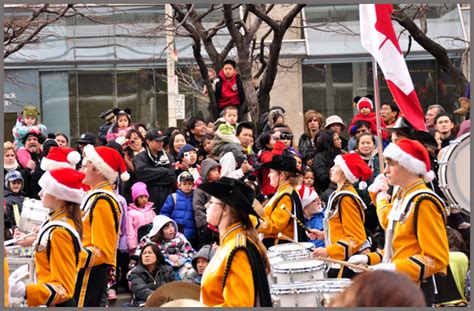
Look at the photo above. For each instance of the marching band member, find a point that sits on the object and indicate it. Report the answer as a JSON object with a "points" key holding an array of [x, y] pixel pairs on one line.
{"points": [[101, 222], [236, 276], [415, 218], [58, 247], [344, 231], [284, 177]]}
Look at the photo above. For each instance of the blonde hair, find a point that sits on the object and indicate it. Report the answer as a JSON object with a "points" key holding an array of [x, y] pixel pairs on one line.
{"points": [[8, 146]]}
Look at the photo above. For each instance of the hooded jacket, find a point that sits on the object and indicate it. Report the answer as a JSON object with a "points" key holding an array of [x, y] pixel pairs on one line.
{"points": [[143, 283], [182, 213], [137, 217], [206, 252], [200, 197]]}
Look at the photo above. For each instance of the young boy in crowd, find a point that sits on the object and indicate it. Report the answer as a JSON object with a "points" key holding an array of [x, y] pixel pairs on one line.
{"points": [[229, 89], [179, 207], [200, 262], [313, 212], [13, 197], [225, 139], [210, 171]]}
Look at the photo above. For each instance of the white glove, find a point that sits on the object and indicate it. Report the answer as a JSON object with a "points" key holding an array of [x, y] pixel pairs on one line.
{"points": [[16, 289], [384, 266], [20, 273], [358, 260], [380, 184]]}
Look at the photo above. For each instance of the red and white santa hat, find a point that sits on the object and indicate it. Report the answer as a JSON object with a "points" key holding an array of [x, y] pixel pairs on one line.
{"points": [[108, 161], [412, 155], [354, 167], [64, 184], [59, 157], [365, 102], [307, 195]]}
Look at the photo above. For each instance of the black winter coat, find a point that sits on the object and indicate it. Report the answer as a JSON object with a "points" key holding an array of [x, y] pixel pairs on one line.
{"points": [[11, 199], [143, 283], [306, 145], [159, 177], [322, 163]]}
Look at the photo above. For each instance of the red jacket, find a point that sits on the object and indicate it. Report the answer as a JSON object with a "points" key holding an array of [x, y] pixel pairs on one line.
{"points": [[371, 119], [227, 91]]}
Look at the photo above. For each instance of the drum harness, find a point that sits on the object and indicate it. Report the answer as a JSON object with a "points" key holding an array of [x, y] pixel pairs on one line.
{"points": [[334, 202], [400, 214]]}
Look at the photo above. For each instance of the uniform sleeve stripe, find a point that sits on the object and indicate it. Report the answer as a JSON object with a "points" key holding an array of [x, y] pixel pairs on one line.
{"points": [[52, 296], [420, 264], [90, 254], [345, 246]]}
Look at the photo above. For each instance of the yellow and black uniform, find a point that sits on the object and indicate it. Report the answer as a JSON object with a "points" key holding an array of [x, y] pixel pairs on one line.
{"points": [[344, 220], [57, 254], [276, 219], [420, 242], [239, 282], [101, 222], [5, 279]]}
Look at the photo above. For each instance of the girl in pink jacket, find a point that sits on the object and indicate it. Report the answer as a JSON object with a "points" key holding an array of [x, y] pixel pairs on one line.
{"points": [[140, 213]]}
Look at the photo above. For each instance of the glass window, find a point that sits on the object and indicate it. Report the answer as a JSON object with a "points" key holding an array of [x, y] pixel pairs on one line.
{"points": [[96, 94], [135, 90], [55, 101]]}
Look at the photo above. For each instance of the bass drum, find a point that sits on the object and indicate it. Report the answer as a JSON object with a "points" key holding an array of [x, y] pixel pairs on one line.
{"points": [[454, 172]]}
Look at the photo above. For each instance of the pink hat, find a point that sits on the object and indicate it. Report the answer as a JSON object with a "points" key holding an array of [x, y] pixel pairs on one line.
{"points": [[64, 184], [354, 168], [307, 195], [139, 189], [412, 155], [59, 157], [108, 161]]}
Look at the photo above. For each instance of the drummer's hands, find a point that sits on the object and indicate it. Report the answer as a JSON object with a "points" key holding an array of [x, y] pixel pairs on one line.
{"points": [[320, 252], [35, 229], [16, 287], [17, 234], [358, 260], [28, 241], [315, 234]]}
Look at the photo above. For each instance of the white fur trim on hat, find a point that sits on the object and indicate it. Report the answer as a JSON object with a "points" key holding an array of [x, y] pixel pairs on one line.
{"points": [[49, 165], [342, 164], [362, 185], [412, 164], [100, 164], [60, 191]]}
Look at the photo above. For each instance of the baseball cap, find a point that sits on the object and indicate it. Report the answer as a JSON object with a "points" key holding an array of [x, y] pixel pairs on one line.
{"points": [[185, 176], [155, 134]]}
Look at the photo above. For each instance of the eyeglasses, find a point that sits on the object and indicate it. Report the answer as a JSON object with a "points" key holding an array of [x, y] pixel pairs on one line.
{"points": [[214, 202]]}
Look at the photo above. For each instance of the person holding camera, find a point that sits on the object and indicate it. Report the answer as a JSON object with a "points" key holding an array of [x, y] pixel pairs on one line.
{"points": [[154, 168]]}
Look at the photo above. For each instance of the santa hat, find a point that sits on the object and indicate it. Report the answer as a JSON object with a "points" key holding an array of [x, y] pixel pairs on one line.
{"points": [[64, 184], [412, 155], [307, 195], [354, 168], [108, 161], [365, 102], [59, 157]]}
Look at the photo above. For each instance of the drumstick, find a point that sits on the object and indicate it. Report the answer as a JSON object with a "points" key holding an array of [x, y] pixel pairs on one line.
{"points": [[298, 222], [13, 241], [344, 263], [341, 262], [284, 237]]}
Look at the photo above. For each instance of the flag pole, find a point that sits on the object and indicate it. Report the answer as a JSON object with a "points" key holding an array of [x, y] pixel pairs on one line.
{"points": [[377, 113]]}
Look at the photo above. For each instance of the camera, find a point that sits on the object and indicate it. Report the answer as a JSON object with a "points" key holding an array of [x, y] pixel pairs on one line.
{"points": [[286, 136]]}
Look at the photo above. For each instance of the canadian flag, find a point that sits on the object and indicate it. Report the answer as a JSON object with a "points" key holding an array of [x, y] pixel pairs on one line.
{"points": [[379, 39]]}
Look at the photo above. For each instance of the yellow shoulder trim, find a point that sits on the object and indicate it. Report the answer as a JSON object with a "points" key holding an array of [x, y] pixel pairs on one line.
{"points": [[240, 240]]}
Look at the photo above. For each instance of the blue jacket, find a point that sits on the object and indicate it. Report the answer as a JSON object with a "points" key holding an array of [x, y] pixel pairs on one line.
{"points": [[182, 213], [316, 222]]}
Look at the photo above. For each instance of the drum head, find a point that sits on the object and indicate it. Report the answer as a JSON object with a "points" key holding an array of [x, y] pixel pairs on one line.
{"points": [[290, 247], [299, 265], [454, 173]]}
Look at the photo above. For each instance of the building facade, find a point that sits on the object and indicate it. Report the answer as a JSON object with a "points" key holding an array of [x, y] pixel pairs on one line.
{"points": [[119, 60]]}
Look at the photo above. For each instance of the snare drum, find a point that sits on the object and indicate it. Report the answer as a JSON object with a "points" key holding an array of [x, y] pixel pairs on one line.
{"points": [[307, 294], [453, 172], [305, 270], [292, 251], [33, 213]]}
